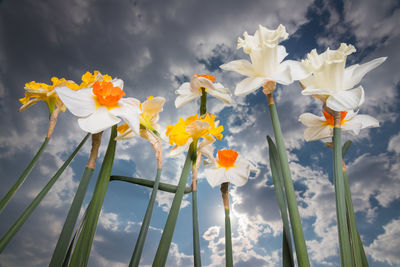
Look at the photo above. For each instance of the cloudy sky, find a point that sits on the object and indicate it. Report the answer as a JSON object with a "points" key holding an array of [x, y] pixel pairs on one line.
{"points": [[155, 46]]}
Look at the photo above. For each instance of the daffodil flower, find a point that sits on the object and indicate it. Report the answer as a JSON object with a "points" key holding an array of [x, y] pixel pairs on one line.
{"points": [[193, 128], [148, 119], [332, 82], [266, 61], [228, 167], [40, 91], [190, 91], [102, 105], [322, 127]]}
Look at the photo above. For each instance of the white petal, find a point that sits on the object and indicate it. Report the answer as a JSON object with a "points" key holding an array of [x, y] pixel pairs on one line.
{"points": [[129, 113], [359, 122], [118, 83], [249, 85], [281, 53], [368, 121], [296, 69], [316, 91], [240, 66], [352, 126], [240, 173], [224, 97], [99, 121], [198, 82], [316, 133], [345, 100], [311, 120], [80, 102], [184, 89], [354, 73], [215, 176], [220, 88], [176, 151], [184, 99], [153, 106]]}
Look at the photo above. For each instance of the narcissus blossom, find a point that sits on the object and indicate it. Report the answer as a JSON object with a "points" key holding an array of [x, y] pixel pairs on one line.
{"points": [[334, 83], [190, 91], [229, 167], [266, 61], [322, 127], [148, 118], [40, 91], [101, 105], [194, 127]]}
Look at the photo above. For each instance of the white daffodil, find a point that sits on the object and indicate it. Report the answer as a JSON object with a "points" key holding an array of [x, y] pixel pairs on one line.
{"points": [[101, 105], [266, 61], [334, 83], [148, 119], [228, 167], [190, 91], [322, 127]]}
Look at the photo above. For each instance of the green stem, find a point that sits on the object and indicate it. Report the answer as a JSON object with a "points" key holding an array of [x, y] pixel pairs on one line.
{"points": [[344, 243], [25, 215], [287, 250], [203, 101], [24, 175], [196, 236], [163, 247], [298, 234], [228, 240], [137, 253], [61, 249], [80, 255], [144, 182]]}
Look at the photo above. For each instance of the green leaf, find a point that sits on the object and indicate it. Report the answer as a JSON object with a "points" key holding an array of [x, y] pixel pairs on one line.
{"points": [[137, 253], [295, 221], [80, 255], [25, 215], [287, 251], [163, 247], [61, 249], [24, 175]]}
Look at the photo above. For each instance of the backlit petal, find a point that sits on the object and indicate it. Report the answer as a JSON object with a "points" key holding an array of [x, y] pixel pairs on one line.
{"points": [[184, 99], [129, 113], [354, 73], [345, 100], [311, 120], [317, 133], [249, 85], [239, 174], [99, 121], [240, 66], [216, 176], [80, 103]]}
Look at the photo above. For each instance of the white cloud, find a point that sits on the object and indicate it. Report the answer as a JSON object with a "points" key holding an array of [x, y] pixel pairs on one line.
{"points": [[394, 144], [385, 248]]}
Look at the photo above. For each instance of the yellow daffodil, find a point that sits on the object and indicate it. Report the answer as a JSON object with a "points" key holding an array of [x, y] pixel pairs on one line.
{"points": [[332, 82], [190, 91], [148, 118], [41, 91], [266, 61], [100, 105], [193, 128], [229, 167], [322, 127]]}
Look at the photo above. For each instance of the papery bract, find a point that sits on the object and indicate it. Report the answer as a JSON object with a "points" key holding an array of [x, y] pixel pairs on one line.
{"points": [[332, 81], [322, 127], [101, 105], [266, 61], [190, 91]]}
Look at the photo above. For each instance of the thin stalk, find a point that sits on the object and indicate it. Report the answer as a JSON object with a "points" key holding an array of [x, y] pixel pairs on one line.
{"points": [[228, 232], [163, 247], [287, 250], [137, 253], [24, 175], [25, 215], [298, 234], [80, 255], [344, 242], [144, 182]]}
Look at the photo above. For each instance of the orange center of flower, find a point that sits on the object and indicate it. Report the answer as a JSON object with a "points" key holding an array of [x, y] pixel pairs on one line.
{"points": [[330, 120], [227, 158], [107, 94], [210, 77]]}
